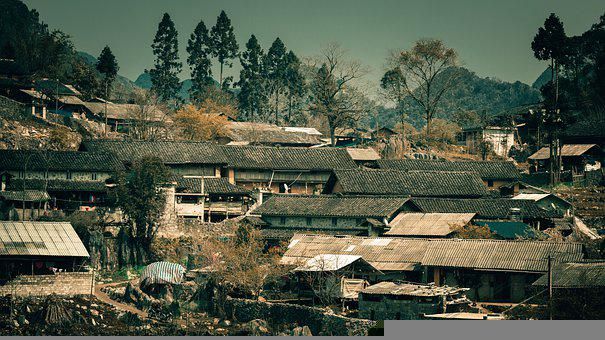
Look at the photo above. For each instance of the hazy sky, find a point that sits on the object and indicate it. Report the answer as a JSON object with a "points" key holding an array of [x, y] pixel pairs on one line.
{"points": [[492, 37]]}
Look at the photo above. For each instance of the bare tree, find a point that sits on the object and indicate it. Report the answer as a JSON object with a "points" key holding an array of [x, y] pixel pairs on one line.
{"points": [[425, 73], [332, 93], [148, 119]]}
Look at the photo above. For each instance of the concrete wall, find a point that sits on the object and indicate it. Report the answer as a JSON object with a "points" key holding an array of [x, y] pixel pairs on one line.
{"points": [[67, 284], [388, 308], [282, 313]]}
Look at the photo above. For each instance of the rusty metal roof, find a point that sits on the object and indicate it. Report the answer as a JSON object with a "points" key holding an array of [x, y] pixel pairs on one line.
{"points": [[526, 256], [40, 239], [427, 224], [567, 150]]}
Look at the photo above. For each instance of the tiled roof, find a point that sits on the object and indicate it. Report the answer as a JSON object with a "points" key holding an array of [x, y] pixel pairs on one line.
{"points": [[57, 185], [126, 111], [269, 134], [25, 196], [412, 183], [287, 158], [527, 256], [170, 152], [382, 253], [576, 275], [330, 206], [427, 224], [40, 239], [36, 160], [489, 208], [567, 150], [214, 185], [487, 170]]}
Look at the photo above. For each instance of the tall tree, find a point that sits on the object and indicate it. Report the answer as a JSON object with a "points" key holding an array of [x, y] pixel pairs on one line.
{"points": [[425, 79], [393, 84], [108, 67], [332, 95], [549, 44], [224, 45], [252, 96], [199, 47], [276, 67], [164, 74], [295, 82]]}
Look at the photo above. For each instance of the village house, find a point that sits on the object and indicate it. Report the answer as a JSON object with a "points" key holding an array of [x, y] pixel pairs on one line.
{"points": [[74, 180], [576, 158], [493, 209], [122, 117], [493, 173], [500, 139], [494, 270], [364, 156], [408, 301], [42, 258], [23, 204], [549, 202], [214, 200], [331, 214], [406, 183], [182, 157], [283, 170]]}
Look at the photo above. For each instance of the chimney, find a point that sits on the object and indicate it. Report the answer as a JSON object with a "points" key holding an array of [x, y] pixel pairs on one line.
{"points": [[514, 214]]}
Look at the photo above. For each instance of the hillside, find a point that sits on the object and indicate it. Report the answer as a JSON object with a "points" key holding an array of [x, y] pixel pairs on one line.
{"points": [[123, 87], [488, 96], [144, 81]]}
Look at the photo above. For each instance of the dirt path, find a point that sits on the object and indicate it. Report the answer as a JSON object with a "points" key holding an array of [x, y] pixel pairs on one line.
{"points": [[103, 297]]}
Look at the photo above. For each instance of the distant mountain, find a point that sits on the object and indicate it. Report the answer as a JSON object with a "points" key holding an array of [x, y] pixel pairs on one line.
{"points": [[144, 81], [542, 79], [123, 87]]}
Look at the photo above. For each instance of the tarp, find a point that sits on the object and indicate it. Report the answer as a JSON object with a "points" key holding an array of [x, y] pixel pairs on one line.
{"points": [[162, 273]]}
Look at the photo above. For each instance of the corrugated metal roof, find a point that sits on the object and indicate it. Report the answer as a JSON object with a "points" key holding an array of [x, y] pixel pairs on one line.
{"points": [[363, 154], [576, 275], [329, 262], [567, 150], [385, 254], [427, 224], [162, 273], [40, 239], [533, 197], [528, 256]]}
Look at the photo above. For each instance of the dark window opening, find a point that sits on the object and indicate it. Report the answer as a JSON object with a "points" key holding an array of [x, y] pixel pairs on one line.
{"points": [[309, 221]]}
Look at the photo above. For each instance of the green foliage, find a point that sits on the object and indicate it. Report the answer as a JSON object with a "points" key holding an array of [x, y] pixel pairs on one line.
{"points": [[141, 198], [276, 66], [224, 44], [252, 96], [108, 67], [199, 47], [295, 84], [164, 74]]}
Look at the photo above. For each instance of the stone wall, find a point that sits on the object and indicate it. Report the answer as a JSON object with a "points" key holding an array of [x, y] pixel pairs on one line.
{"points": [[316, 319], [384, 307], [66, 284]]}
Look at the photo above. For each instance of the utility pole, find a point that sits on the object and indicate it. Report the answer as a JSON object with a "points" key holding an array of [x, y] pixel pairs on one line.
{"points": [[550, 286]]}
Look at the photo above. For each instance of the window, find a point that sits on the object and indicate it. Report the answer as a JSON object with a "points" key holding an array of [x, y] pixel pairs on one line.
{"points": [[309, 221], [68, 175], [282, 220], [334, 222], [490, 183], [93, 176]]}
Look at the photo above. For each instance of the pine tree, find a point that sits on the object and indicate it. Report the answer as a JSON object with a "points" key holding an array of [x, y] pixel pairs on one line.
{"points": [[164, 74], [224, 45], [108, 67], [252, 97], [199, 49], [276, 65], [295, 82]]}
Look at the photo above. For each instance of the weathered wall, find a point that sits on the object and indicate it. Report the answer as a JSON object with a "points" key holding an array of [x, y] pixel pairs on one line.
{"points": [[75, 176], [282, 313], [389, 309], [67, 284], [316, 222]]}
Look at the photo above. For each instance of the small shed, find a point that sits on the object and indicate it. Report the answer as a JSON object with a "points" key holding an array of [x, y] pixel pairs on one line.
{"points": [[406, 301], [576, 158], [548, 201]]}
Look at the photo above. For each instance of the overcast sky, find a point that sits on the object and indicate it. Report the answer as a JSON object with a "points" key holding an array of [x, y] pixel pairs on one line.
{"points": [[492, 37]]}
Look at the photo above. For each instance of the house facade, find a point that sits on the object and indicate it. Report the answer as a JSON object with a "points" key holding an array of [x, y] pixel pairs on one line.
{"points": [[501, 139]]}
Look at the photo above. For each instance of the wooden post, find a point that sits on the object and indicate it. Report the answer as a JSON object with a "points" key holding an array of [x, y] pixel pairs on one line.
{"points": [[550, 286]]}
